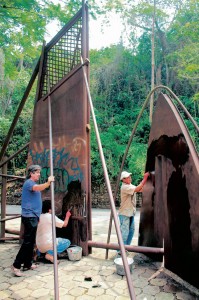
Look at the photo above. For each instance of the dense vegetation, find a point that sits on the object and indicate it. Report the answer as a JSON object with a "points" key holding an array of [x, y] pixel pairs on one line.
{"points": [[120, 77]]}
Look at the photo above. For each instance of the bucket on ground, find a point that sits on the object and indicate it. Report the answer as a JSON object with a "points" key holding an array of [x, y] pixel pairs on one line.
{"points": [[120, 267], [74, 252]]}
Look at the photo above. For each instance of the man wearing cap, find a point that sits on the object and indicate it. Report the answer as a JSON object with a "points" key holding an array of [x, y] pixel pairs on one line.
{"points": [[31, 211], [128, 205]]}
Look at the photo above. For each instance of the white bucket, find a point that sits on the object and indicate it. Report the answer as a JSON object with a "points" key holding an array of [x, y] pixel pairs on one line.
{"points": [[119, 265], [74, 253]]}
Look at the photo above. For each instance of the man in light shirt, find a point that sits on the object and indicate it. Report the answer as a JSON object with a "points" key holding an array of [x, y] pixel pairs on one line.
{"points": [[127, 208]]}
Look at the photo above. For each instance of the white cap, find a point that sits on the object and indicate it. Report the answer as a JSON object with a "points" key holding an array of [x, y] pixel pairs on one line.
{"points": [[124, 174]]}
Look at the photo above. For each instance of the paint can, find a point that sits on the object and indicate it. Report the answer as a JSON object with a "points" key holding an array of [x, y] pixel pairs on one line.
{"points": [[74, 253], [120, 267]]}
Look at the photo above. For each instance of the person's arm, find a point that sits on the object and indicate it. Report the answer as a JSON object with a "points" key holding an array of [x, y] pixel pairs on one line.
{"points": [[142, 183], [68, 214], [43, 186]]}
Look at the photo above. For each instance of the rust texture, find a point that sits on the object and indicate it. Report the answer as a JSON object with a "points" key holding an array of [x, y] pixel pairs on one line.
{"points": [[70, 137], [170, 210]]}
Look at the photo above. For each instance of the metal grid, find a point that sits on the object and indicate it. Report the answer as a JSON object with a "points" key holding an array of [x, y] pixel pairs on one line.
{"points": [[62, 57]]}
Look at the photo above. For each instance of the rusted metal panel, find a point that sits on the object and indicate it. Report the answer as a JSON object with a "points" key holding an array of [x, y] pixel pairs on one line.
{"points": [[172, 210], [61, 69]]}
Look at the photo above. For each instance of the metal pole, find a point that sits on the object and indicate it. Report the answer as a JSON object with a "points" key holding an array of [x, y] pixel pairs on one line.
{"points": [[137, 249], [3, 199], [56, 286], [124, 258]]}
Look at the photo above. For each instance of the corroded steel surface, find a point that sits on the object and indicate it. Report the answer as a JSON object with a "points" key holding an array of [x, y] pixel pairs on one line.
{"points": [[70, 130], [170, 211]]}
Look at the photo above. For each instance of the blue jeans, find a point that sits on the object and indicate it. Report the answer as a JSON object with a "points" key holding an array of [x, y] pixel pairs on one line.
{"points": [[62, 245], [127, 228]]}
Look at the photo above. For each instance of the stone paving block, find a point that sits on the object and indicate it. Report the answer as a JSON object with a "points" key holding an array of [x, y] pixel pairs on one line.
{"points": [[18, 286], [34, 285], [39, 284], [164, 296], [77, 291], [95, 291], [151, 290], [114, 291], [186, 296], [4, 286], [122, 298], [106, 272], [114, 278], [138, 291], [158, 282], [105, 284], [69, 284], [40, 293], [22, 294], [104, 297], [68, 297], [148, 273], [141, 282], [143, 296], [84, 297], [4, 294]]}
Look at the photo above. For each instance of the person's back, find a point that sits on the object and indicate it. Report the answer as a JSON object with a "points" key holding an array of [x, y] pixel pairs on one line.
{"points": [[44, 238]]}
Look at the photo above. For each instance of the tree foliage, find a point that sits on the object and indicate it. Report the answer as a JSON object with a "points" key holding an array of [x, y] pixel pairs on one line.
{"points": [[120, 77]]}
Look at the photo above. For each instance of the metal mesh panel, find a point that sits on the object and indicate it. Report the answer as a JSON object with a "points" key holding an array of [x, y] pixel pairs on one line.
{"points": [[62, 57]]}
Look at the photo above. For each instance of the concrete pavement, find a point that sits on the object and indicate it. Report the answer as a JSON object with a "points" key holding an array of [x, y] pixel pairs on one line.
{"points": [[150, 280]]}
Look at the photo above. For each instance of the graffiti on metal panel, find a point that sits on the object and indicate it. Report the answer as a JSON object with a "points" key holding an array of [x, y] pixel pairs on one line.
{"points": [[65, 167]]}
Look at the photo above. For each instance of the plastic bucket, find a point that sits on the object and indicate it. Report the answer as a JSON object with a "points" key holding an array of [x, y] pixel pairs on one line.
{"points": [[119, 265], [74, 253]]}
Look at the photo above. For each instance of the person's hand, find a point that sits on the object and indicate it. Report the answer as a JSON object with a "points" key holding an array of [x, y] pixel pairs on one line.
{"points": [[146, 175], [50, 179], [68, 214]]}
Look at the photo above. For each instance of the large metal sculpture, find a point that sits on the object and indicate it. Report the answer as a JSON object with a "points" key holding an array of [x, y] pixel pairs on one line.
{"points": [[170, 210], [61, 79]]}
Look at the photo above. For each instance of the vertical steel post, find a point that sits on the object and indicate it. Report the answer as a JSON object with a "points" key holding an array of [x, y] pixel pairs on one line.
{"points": [[119, 235], [56, 286], [3, 198]]}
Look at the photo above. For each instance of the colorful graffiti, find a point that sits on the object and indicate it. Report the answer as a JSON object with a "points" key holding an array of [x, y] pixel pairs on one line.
{"points": [[65, 167]]}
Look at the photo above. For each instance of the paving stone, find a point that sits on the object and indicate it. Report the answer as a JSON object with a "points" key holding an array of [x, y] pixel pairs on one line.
{"points": [[34, 285], [164, 296], [4, 286], [77, 291], [114, 291], [104, 297], [40, 292], [122, 298], [143, 296], [39, 284], [95, 291], [172, 288], [18, 286], [141, 282], [22, 293], [114, 278], [65, 297], [151, 290], [106, 272], [69, 284], [84, 297], [186, 296], [4, 294], [158, 282]]}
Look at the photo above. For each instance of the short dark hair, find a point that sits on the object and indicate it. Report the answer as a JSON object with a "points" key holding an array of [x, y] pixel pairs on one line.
{"points": [[46, 206], [32, 169]]}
